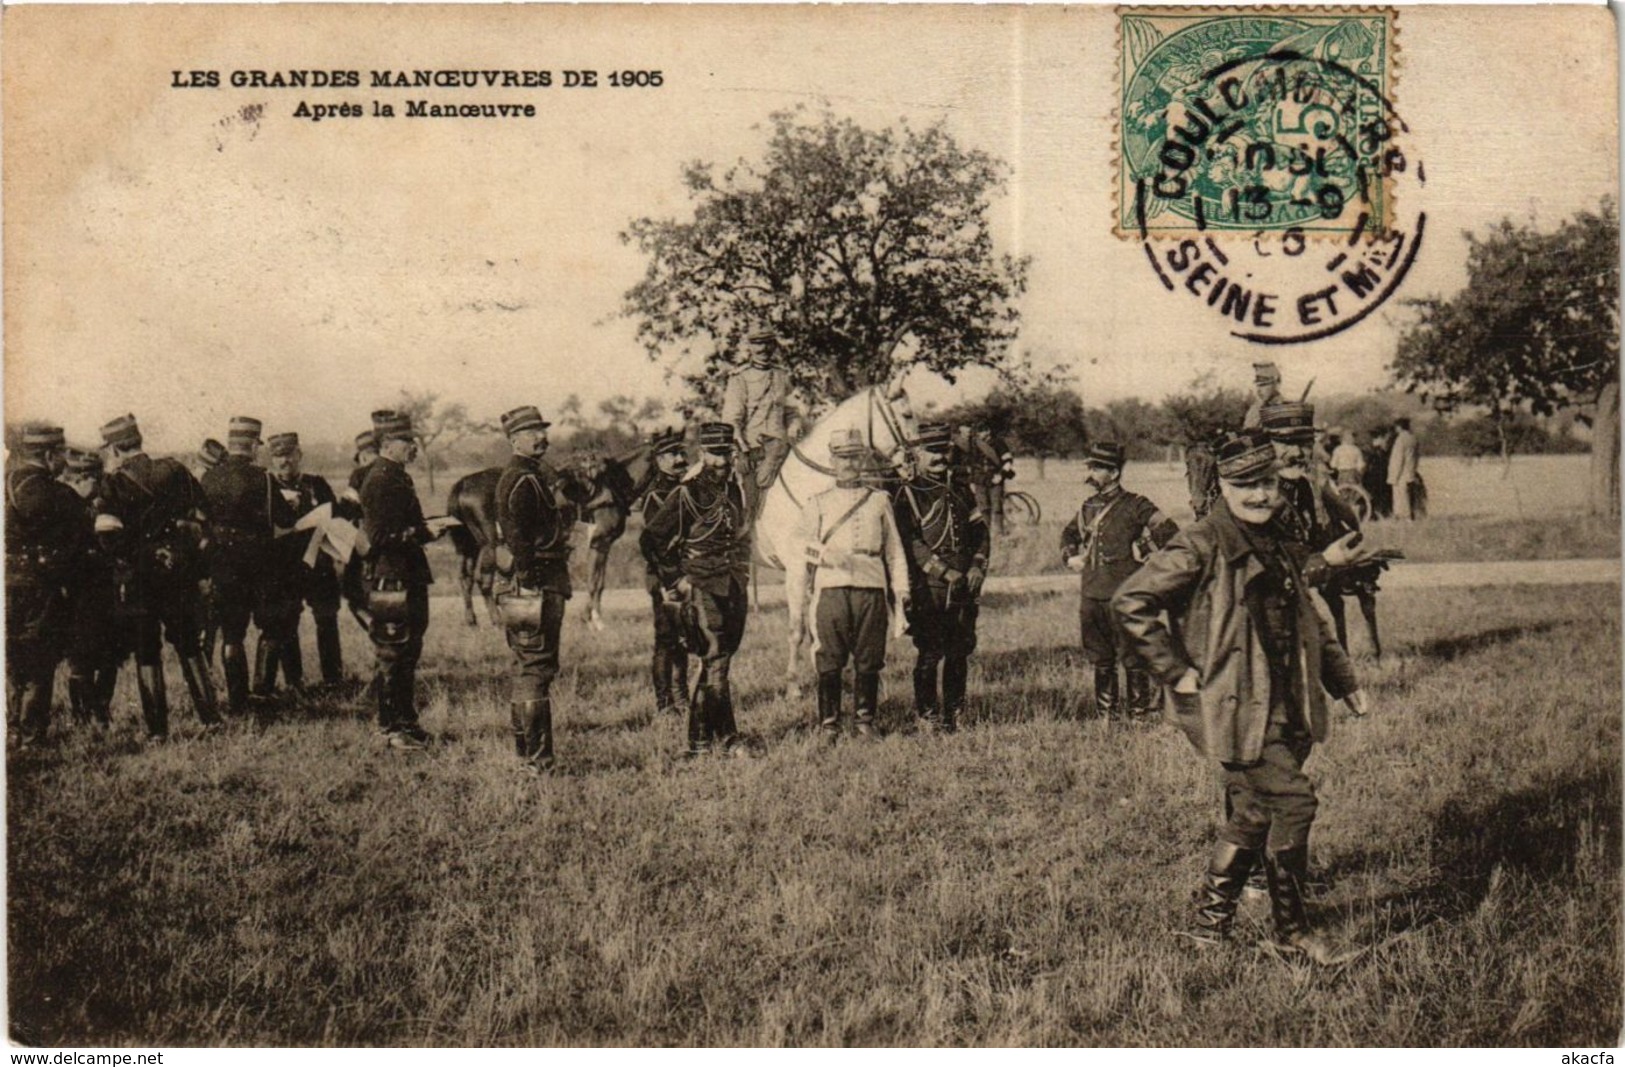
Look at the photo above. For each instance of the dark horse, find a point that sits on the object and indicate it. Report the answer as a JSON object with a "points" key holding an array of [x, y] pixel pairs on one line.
{"points": [[617, 482]]}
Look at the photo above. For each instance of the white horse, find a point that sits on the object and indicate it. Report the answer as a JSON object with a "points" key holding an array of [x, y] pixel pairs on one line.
{"points": [[883, 415]]}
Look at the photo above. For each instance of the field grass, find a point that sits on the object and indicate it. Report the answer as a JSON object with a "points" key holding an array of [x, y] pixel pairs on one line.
{"points": [[1016, 883]]}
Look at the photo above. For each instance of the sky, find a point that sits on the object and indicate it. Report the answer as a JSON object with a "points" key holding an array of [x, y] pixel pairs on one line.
{"points": [[192, 254]]}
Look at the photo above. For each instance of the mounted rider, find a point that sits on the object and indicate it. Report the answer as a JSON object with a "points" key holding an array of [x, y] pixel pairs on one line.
{"points": [[754, 405]]}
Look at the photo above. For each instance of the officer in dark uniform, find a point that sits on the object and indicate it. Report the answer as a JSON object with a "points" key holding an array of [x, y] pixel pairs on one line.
{"points": [[45, 535], [209, 456], [397, 577], [245, 511], [317, 586], [164, 515], [536, 511], [700, 542], [946, 535], [1106, 541], [94, 649], [670, 666], [349, 508]]}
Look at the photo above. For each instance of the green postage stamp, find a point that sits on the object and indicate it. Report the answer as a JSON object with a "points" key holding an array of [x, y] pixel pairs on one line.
{"points": [[1256, 119]]}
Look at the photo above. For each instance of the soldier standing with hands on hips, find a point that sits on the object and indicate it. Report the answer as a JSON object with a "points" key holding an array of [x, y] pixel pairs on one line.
{"points": [[396, 577], [1250, 665], [1113, 531], [670, 666], [947, 539], [535, 515], [700, 542], [856, 555]]}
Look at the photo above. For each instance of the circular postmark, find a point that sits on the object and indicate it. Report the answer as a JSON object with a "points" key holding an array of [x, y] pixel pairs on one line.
{"points": [[1263, 167]]}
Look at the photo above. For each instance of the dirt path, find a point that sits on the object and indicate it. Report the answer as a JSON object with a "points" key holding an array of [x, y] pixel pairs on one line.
{"points": [[1401, 576]]}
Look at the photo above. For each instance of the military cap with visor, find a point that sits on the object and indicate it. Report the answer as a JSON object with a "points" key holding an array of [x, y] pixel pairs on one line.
{"points": [[1104, 454], [121, 432], [283, 444], [523, 418], [1289, 420], [716, 436], [1246, 458], [666, 439], [934, 437]]}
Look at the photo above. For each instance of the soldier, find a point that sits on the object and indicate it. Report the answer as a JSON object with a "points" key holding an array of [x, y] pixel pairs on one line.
{"points": [[535, 516], [1266, 390], [163, 514], [985, 463], [348, 507], [670, 666], [94, 649], [246, 511], [209, 456], [858, 562], [318, 585], [1404, 478], [45, 535], [1113, 531], [397, 577], [754, 405], [1247, 658], [700, 542], [946, 535]]}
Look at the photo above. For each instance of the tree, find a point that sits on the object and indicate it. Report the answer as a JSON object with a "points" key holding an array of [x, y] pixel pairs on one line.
{"points": [[1536, 329], [440, 427], [1202, 411], [845, 241]]}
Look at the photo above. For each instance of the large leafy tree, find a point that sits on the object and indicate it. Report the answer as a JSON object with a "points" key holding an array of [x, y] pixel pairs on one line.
{"points": [[1535, 330], [844, 240]]}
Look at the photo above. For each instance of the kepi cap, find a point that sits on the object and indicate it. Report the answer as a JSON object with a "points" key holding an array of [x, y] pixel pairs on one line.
{"points": [[211, 453], [1289, 420], [522, 418], [283, 444], [84, 460], [848, 443], [1266, 374], [121, 431], [388, 424], [666, 439], [42, 436], [243, 429], [716, 436], [934, 437], [1104, 454], [1246, 458]]}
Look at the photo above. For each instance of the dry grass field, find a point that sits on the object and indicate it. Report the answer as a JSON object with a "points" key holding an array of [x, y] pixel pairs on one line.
{"points": [[293, 882]]}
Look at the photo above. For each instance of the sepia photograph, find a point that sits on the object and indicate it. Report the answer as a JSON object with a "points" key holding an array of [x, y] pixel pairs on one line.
{"points": [[811, 526]]}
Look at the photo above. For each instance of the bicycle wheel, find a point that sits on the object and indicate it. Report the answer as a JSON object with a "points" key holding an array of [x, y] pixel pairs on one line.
{"points": [[1358, 500], [1022, 507]]}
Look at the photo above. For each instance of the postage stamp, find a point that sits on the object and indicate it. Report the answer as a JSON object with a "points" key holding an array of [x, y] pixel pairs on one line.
{"points": [[1257, 120]]}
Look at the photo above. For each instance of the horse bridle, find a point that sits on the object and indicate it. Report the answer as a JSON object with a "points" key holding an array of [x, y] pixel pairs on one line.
{"points": [[893, 425]]}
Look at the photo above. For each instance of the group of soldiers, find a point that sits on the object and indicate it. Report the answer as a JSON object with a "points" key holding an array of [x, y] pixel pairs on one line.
{"points": [[111, 553]]}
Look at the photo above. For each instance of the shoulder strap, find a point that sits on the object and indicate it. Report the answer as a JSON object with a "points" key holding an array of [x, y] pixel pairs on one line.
{"points": [[851, 511]]}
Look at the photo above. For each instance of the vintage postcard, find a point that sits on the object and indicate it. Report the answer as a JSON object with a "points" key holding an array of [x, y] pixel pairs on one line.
{"points": [[812, 525]]}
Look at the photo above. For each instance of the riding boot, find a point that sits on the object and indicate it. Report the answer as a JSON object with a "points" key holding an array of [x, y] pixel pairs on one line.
{"points": [[201, 689], [384, 694], [36, 701], [328, 649], [723, 727], [292, 658], [954, 671], [660, 672], [516, 721], [1288, 873], [1142, 694], [536, 741], [80, 695], [699, 721], [927, 705], [154, 701], [101, 694], [677, 660], [234, 663], [829, 705], [1106, 691], [867, 700], [1227, 871], [267, 657]]}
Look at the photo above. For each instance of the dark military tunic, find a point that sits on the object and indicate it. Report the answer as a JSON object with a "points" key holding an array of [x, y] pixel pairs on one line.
{"points": [[163, 510], [702, 533], [245, 509], [946, 535], [670, 664], [397, 579], [45, 539], [1113, 532], [349, 508], [535, 516]]}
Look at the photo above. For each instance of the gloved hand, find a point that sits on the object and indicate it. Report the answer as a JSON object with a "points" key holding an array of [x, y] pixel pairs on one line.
{"points": [[1075, 564], [953, 578], [973, 581], [1348, 550]]}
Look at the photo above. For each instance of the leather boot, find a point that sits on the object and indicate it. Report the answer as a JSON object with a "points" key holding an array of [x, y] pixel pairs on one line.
{"points": [[1288, 873], [1106, 691], [867, 700], [234, 663], [516, 721], [677, 658], [723, 727], [660, 673], [267, 658], [537, 719], [149, 680], [36, 701], [80, 697], [927, 704], [328, 649], [1143, 694], [953, 692], [1227, 871], [384, 694], [829, 705], [699, 722], [292, 659], [101, 694], [201, 689]]}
